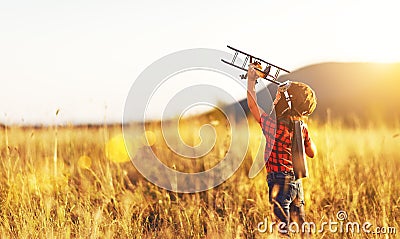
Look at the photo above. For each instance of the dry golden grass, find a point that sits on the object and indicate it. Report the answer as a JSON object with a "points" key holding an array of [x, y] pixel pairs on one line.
{"points": [[79, 193]]}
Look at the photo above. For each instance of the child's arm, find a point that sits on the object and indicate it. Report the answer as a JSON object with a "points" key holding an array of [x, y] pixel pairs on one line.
{"points": [[255, 110], [310, 148]]}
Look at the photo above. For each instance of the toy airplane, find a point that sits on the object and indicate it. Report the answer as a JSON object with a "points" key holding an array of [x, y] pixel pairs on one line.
{"points": [[265, 74]]}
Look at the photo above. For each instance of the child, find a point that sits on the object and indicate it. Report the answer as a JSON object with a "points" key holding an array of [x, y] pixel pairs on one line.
{"points": [[285, 190]]}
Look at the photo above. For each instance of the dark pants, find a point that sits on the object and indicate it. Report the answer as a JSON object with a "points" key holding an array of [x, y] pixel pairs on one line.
{"points": [[287, 196]]}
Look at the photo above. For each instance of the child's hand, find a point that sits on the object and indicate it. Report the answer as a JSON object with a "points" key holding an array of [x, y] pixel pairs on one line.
{"points": [[251, 73]]}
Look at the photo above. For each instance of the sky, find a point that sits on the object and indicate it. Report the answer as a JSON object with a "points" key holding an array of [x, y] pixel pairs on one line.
{"points": [[82, 57]]}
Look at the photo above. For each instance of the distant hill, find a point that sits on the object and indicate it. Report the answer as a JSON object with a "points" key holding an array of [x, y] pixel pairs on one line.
{"points": [[360, 92]]}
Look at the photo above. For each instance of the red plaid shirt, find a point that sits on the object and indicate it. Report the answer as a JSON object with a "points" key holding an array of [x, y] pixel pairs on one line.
{"points": [[279, 159]]}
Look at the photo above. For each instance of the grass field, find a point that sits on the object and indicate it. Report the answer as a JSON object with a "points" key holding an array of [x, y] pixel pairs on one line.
{"points": [[61, 183]]}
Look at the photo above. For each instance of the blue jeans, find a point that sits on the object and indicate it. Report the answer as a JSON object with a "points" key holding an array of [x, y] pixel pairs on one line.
{"points": [[287, 195]]}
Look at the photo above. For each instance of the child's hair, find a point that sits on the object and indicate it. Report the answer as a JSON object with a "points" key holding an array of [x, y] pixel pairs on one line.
{"points": [[303, 101]]}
